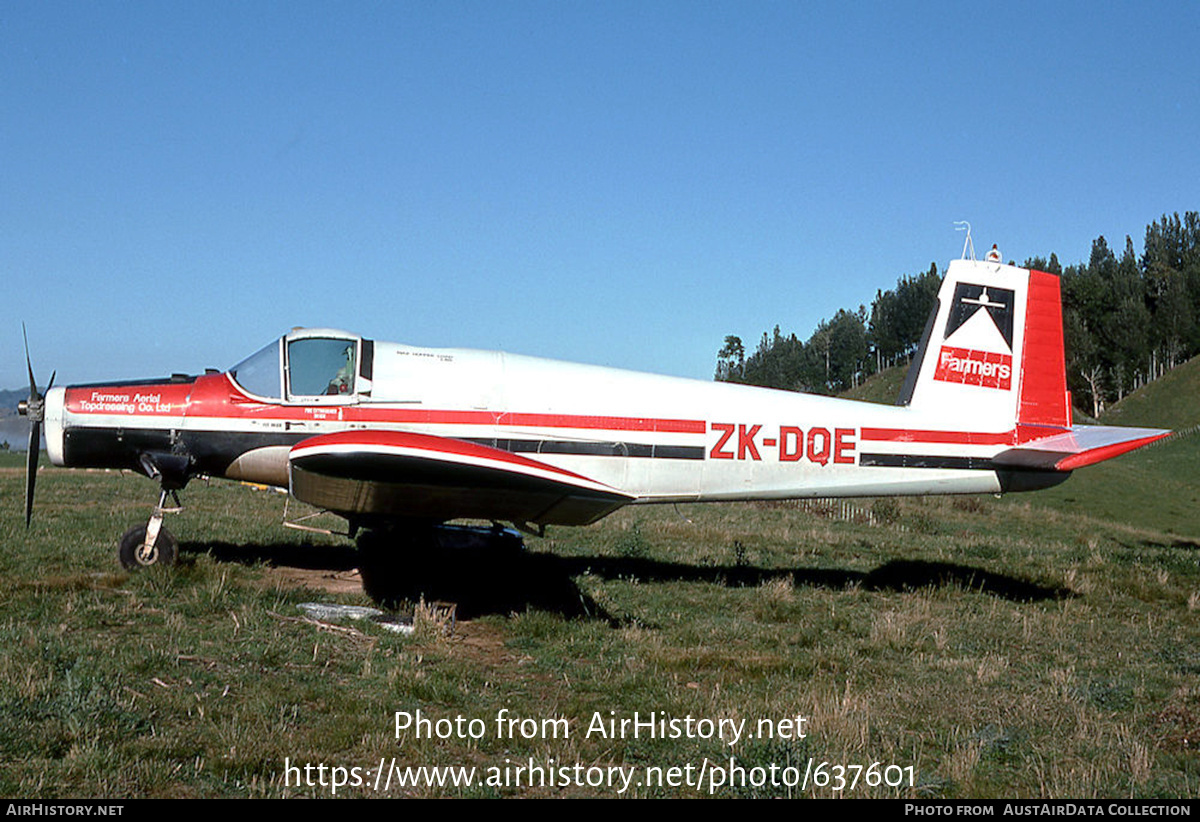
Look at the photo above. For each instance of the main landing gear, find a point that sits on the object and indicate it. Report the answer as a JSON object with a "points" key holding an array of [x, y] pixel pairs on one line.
{"points": [[407, 559]]}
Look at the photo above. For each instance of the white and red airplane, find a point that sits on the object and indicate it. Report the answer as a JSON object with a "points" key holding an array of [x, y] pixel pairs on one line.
{"points": [[401, 439]]}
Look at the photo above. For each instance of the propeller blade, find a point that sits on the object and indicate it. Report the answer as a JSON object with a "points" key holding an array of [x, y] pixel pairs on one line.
{"points": [[31, 465], [33, 392], [35, 409]]}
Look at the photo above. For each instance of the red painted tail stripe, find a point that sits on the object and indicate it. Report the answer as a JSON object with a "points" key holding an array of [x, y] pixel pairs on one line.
{"points": [[1043, 399]]}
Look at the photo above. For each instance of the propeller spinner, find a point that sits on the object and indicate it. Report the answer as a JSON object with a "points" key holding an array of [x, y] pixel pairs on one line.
{"points": [[34, 409]]}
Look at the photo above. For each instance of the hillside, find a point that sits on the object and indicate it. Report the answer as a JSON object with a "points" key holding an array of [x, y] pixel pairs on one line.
{"points": [[9, 400], [1168, 402], [1156, 487], [883, 387]]}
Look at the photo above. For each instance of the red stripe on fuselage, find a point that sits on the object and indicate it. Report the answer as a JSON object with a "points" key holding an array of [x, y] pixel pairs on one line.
{"points": [[218, 397], [926, 436], [1022, 434], [434, 417]]}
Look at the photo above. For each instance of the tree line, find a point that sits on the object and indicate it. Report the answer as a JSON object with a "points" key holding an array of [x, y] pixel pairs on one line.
{"points": [[1126, 321], [842, 351]]}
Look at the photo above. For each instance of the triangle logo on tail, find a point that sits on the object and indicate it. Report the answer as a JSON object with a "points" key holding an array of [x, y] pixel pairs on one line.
{"points": [[978, 339], [970, 300]]}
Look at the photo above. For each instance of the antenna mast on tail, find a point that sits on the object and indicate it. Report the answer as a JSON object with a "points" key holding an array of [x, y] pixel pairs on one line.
{"points": [[969, 245]]}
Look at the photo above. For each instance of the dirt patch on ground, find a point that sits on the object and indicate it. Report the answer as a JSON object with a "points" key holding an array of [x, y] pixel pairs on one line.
{"points": [[334, 582], [481, 641]]}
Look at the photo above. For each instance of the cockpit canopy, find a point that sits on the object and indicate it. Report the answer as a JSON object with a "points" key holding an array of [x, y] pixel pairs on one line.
{"points": [[319, 365]]}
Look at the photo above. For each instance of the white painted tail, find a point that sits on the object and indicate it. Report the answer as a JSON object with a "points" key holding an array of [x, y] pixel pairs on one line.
{"points": [[993, 362], [993, 353]]}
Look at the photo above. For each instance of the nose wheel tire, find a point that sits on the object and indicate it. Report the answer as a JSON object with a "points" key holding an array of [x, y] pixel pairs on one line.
{"points": [[135, 554]]}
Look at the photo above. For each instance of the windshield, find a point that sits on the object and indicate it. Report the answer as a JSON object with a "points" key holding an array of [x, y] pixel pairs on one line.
{"points": [[259, 373]]}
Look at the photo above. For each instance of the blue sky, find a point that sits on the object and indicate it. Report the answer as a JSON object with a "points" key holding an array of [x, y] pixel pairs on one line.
{"points": [[617, 183]]}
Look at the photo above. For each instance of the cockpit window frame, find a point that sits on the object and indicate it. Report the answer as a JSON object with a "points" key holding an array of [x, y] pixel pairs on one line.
{"points": [[356, 380]]}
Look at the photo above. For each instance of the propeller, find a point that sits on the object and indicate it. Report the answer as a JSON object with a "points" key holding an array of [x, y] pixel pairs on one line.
{"points": [[34, 409]]}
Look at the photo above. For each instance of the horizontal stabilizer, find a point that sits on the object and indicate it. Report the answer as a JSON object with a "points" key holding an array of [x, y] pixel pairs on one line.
{"points": [[1081, 445]]}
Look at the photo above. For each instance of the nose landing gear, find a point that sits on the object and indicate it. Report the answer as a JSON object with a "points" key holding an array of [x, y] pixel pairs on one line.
{"points": [[151, 544]]}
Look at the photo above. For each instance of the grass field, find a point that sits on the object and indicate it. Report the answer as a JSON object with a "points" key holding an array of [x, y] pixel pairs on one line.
{"points": [[1031, 646]]}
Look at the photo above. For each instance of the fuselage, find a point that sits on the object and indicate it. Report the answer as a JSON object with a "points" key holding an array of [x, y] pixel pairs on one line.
{"points": [[398, 439], [655, 438]]}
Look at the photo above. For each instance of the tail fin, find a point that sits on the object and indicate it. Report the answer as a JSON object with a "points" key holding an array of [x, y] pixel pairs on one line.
{"points": [[993, 351], [992, 361]]}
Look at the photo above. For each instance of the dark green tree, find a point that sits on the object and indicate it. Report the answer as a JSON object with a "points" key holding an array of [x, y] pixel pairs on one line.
{"points": [[848, 350], [731, 361]]}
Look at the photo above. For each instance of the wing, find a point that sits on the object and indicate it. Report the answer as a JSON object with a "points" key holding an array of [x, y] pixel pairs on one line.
{"points": [[1080, 446], [402, 474]]}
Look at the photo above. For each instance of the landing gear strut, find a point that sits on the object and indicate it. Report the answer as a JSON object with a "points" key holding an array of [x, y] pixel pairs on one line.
{"points": [[152, 544]]}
